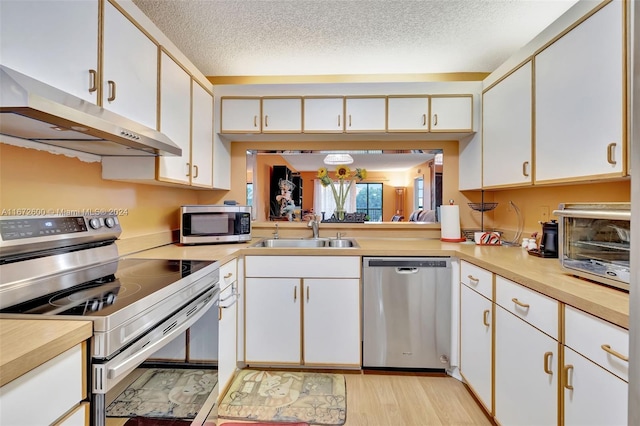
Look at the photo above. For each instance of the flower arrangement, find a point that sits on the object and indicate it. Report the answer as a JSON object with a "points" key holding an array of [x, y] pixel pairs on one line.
{"points": [[340, 195]]}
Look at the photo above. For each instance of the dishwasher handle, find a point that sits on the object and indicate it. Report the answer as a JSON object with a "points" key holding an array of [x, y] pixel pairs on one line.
{"points": [[406, 271]]}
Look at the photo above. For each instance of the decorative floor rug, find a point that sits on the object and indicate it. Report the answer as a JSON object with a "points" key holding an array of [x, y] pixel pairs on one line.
{"points": [[282, 396], [165, 393]]}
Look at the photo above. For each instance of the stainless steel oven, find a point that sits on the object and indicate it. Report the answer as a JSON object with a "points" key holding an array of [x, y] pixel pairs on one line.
{"points": [[595, 241], [69, 268]]}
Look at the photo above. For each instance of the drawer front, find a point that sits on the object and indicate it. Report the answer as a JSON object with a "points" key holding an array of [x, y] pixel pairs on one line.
{"points": [[477, 278], [587, 334], [303, 266], [228, 273], [537, 309], [60, 382]]}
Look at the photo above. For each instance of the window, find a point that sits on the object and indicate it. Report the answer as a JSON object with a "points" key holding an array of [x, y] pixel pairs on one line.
{"points": [[369, 200], [249, 194], [418, 202]]}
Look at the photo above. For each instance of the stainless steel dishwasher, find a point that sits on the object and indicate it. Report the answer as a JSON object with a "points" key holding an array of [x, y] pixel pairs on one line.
{"points": [[407, 312]]}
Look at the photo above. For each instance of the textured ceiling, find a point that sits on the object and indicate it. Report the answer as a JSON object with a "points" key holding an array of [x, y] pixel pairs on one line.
{"points": [[324, 37]]}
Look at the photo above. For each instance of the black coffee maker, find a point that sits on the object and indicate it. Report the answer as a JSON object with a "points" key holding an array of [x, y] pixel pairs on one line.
{"points": [[549, 240]]}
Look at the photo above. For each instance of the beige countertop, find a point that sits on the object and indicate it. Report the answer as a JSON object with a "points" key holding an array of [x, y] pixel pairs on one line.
{"points": [[514, 263], [25, 344]]}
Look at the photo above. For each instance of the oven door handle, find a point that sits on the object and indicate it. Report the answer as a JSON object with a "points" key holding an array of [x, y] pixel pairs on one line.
{"points": [[161, 335]]}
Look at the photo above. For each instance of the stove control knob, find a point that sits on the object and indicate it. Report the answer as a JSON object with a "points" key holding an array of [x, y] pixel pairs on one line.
{"points": [[94, 223], [109, 222]]}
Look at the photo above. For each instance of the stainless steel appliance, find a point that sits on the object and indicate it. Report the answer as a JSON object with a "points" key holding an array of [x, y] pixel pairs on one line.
{"points": [[68, 268], [595, 241], [407, 312], [211, 224], [41, 113]]}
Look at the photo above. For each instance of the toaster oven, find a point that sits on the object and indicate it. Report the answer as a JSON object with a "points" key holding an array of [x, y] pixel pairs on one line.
{"points": [[595, 241]]}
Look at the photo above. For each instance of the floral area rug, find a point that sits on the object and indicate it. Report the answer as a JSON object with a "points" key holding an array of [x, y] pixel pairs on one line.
{"points": [[280, 396], [165, 393]]}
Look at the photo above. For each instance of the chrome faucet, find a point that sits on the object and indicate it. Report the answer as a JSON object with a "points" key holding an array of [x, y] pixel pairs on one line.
{"points": [[276, 235], [314, 224]]}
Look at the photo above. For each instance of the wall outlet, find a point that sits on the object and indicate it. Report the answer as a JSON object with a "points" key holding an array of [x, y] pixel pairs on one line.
{"points": [[544, 213]]}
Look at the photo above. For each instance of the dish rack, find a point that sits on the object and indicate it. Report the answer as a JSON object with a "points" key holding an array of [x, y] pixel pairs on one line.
{"points": [[483, 207]]}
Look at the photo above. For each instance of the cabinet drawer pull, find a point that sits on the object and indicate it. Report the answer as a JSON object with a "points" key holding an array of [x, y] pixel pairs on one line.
{"points": [[229, 275], [435, 119], [424, 119], [485, 318], [195, 168], [219, 313], [307, 294], [607, 348], [525, 166], [547, 365], [519, 303], [472, 278], [611, 149], [93, 81], [112, 90], [266, 121], [295, 294], [567, 368]]}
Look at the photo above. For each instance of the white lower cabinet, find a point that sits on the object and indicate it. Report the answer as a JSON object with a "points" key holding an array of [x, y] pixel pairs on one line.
{"points": [[227, 325], [595, 372], [49, 393], [310, 316], [476, 348]]}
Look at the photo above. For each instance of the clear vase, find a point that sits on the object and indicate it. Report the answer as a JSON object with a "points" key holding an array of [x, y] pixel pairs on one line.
{"points": [[339, 213]]}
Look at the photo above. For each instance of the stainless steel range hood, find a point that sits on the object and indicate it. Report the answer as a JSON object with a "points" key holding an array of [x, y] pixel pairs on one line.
{"points": [[30, 109]]}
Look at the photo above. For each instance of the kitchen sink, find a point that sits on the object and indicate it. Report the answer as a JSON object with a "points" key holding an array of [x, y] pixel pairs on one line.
{"points": [[307, 242]]}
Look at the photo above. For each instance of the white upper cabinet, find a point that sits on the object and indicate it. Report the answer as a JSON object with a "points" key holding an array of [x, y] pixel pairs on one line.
{"points": [[408, 113], [175, 119], [365, 114], [282, 115], [579, 101], [451, 113], [240, 115], [507, 130], [201, 137], [323, 115], [54, 42], [130, 69]]}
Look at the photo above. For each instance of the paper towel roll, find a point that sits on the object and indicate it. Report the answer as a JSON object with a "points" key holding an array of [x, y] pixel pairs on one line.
{"points": [[450, 223]]}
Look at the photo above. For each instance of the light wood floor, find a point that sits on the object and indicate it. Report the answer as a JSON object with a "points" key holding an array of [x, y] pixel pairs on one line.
{"points": [[408, 400]]}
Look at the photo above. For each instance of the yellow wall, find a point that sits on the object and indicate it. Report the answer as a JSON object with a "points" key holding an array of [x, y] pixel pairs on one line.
{"points": [[32, 179]]}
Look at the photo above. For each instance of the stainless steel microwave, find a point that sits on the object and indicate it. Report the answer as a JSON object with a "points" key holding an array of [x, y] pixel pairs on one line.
{"points": [[595, 241], [213, 224]]}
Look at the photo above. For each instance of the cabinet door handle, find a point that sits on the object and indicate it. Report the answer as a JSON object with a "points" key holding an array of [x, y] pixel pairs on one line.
{"points": [[307, 294], [188, 170], [219, 313], [424, 119], [195, 168], [266, 121], [485, 318], [93, 81], [548, 356], [255, 121], [472, 278], [567, 368], [525, 166], [435, 119], [519, 303], [295, 293], [339, 120], [112, 90], [349, 120], [607, 348], [611, 150]]}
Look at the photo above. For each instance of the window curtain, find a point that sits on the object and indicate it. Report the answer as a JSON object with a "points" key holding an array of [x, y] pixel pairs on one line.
{"points": [[323, 200]]}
